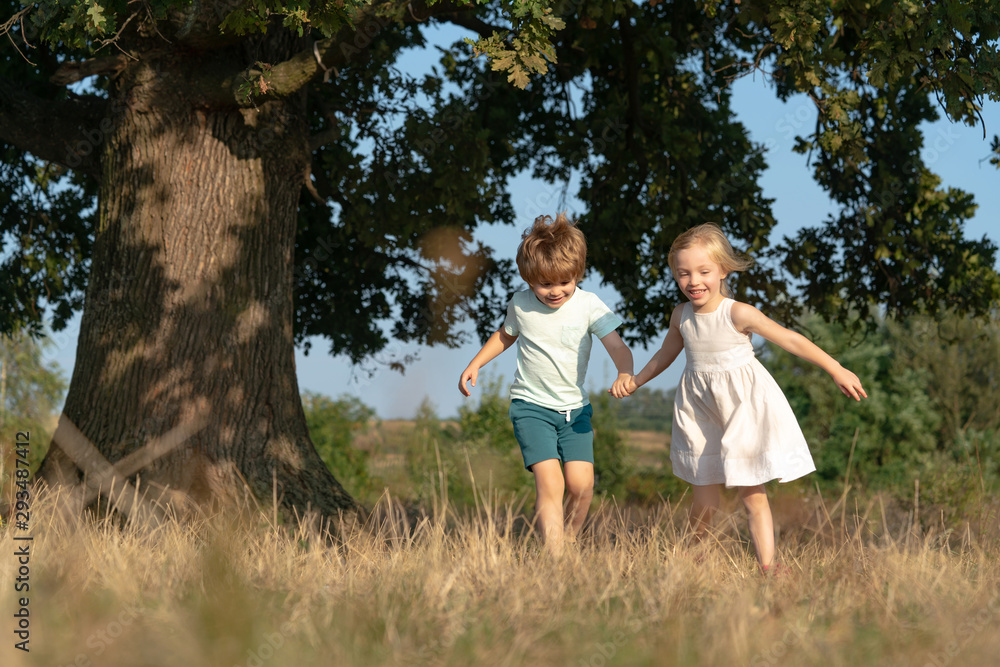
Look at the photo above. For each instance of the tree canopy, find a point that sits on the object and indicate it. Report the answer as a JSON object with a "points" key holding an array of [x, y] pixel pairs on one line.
{"points": [[632, 96]]}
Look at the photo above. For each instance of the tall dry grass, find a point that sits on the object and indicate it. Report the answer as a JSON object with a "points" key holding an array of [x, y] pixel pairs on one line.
{"points": [[865, 584]]}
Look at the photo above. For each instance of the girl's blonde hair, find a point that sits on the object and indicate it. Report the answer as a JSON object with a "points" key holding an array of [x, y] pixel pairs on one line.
{"points": [[710, 236], [552, 251]]}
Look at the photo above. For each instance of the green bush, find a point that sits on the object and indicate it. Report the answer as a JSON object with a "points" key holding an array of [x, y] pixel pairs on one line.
{"points": [[612, 460], [484, 451], [457, 466], [925, 414], [651, 486], [962, 358], [31, 392], [645, 410], [333, 425], [489, 421]]}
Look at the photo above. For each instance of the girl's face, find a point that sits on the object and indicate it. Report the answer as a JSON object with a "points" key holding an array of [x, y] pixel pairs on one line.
{"points": [[554, 294], [699, 278]]}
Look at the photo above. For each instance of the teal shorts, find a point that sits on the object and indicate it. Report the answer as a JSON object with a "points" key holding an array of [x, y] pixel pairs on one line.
{"points": [[547, 434]]}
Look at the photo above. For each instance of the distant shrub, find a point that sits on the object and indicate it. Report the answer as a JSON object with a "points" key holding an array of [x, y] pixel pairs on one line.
{"points": [[651, 486], [612, 460], [31, 392], [451, 465], [645, 410], [925, 415], [333, 425], [489, 421]]}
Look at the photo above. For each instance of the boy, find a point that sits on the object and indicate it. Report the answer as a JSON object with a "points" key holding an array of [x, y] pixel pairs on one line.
{"points": [[552, 323]]}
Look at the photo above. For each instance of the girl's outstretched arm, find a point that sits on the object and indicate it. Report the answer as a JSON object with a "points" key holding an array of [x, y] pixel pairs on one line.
{"points": [[497, 343], [672, 345], [749, 320]]}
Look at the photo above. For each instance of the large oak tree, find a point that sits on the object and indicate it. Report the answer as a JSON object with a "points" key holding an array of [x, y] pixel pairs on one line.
{"points": [[212, 181]]}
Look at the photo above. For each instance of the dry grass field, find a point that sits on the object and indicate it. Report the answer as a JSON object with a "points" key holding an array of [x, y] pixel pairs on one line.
{"points": [[864, 584]]}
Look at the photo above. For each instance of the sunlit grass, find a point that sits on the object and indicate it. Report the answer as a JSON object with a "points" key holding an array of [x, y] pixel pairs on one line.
{"points": [[862, 586]]}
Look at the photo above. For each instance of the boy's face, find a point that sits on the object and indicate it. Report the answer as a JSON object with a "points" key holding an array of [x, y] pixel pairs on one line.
{"points": [[554, 294]]}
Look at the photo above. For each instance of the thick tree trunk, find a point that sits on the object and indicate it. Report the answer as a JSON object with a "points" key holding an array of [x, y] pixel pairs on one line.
{"points": [[190, 296]]}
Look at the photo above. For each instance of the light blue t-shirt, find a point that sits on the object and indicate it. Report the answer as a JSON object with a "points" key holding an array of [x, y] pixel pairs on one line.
{"points": [[553, 346]]}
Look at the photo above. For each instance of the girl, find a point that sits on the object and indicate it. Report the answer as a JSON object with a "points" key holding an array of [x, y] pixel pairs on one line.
{"points": [[732, 423]]}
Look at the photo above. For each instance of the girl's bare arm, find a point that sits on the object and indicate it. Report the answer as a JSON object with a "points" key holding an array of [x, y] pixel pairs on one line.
{"points": [[672, 345], [749, 319]]}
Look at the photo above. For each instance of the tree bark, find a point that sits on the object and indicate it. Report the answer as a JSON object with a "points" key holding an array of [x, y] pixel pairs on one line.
{"points": [[189, 302]]}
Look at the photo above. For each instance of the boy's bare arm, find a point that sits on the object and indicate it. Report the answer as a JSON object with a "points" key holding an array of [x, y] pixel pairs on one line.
{"points": [[497, 343], [622, 358]]}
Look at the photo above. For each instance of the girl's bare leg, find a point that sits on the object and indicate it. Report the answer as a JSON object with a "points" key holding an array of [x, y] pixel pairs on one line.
{"points": [[761, 524], [705, 501]]}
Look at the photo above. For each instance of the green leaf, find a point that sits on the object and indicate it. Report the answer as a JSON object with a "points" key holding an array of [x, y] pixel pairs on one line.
{"points": [[96, 18]]}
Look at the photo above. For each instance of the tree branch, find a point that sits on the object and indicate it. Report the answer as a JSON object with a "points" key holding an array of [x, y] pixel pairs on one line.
{"points": [[71, 72], [473, 23], [323, 56], [67, 132]]}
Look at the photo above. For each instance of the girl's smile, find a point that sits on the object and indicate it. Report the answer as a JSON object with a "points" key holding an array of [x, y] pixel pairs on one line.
{"points": [[699, 278]]}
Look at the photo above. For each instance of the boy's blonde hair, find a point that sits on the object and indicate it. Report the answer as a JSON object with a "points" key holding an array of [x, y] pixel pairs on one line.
{"points": [[552, 251], [710, 236]]}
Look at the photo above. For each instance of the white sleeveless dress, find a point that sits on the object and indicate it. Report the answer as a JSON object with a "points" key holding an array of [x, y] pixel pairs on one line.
{"points": [[732, 423]]}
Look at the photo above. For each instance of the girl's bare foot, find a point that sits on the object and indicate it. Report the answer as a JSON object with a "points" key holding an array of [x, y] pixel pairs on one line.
{"points": [[774, 570]]}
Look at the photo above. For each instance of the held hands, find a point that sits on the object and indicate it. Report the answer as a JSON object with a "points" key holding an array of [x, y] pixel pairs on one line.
{"points": [[624, 386], [849, 383]]}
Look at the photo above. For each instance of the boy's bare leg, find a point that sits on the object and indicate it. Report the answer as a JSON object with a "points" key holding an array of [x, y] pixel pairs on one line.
{"points": [[705, 500], [579, 493], [761, 524], [549, 489]]}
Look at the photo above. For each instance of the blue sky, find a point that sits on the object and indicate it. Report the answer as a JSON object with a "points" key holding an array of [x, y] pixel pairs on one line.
{"points": [[957, 153]]}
